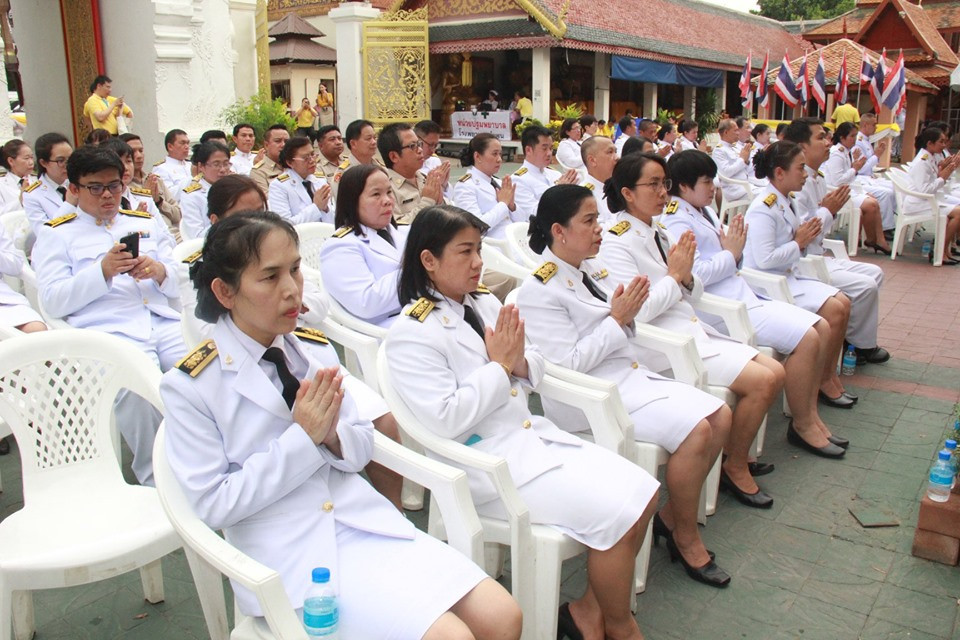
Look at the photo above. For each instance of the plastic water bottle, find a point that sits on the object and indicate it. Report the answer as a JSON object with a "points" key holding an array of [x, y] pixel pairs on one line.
{"points": [[938, 489], [849, 362], [951, 446], [321, 616], [925, 251]]}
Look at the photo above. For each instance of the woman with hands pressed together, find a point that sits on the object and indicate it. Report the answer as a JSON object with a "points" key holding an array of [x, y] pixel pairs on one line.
{"points": [[928, 172], [479, 191], [466, 371], [775, 244], [581, 322], [267, 446], [637, 244]]}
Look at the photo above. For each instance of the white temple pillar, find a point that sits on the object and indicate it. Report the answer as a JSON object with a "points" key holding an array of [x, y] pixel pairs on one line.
{"points": [[689, 102], [6, 124], [649, 100], [601, 82], [723, 92], [540, 84], [243, 15], [349, 18]]}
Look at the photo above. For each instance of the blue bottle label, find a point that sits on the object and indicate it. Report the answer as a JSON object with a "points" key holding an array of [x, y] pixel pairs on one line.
{"points": [[321, 620]]}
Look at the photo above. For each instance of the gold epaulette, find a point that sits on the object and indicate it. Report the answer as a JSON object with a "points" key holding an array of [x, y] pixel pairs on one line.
{"points": [[342, 231], [402, 223], [283, 177], [319, 174], [345, 164], [925, 156], [520, 171], [32, 187], [482, 288], [258, 165], [545, 271], [672, 207], [193, 186], [661, 225], [140, 191], [233, 153], [312, 335], [198, 359], [464, 177], [620, 228], [770, 199], [820, 173], [193, 257], [589, 185], [157, 164], [135, 214], [420, 309], [56, 222]]}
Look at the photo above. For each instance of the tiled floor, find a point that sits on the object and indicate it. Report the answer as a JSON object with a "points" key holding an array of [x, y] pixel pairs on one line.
{"points": [[804, 569]]}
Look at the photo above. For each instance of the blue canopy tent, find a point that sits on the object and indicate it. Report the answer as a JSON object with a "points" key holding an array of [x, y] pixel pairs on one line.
{"points": [[639, 70]]}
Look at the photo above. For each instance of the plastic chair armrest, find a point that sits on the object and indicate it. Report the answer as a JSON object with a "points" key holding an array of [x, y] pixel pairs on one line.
{"points": [[734, 314], [680, 350], [600, 405], [773, 285], [837, 247]]}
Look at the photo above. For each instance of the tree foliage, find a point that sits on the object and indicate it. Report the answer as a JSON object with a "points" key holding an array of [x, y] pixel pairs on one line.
{"points": [[784, 10], [259, 112]]}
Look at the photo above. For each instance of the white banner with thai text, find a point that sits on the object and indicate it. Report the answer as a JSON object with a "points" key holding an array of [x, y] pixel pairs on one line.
{"points": [[464, 124]]}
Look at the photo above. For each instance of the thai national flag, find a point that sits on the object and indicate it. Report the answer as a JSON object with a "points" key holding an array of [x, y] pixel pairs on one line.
{"points": [[803, 82], [784, 86], [895, 85], [876, 84], [819, 85], [840, 91], [746, 95], [866, 71], [763, 95]]}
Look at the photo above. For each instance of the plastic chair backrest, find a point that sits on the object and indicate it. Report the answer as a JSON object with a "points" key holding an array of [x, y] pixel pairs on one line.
{"points": [[57, 391], [17, 228], [312, 236], [520, 249]]}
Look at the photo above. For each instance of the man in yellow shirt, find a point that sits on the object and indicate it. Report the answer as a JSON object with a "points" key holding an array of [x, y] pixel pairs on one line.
{"points": [[524, 106], [845, 112], [102, 109]]}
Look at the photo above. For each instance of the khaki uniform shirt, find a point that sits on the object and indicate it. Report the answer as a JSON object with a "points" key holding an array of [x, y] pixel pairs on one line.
{"points": [[406, 195], [328, 168], [349, 161], [264, 172]]}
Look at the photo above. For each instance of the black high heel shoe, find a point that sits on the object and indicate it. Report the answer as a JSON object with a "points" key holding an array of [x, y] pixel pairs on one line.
{"points": [[946, 261], [566, 627], [709, 574], [843, 443], [829, 451], [877, 248], [660, 530], [757, 500]]}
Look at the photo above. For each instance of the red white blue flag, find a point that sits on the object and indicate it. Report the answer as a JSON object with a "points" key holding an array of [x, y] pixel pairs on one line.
{"points": [[784, 86], [895, 85], [840, 91], [878, 81], [803, 82], [763, 94], [746, 95], [818, 88]]}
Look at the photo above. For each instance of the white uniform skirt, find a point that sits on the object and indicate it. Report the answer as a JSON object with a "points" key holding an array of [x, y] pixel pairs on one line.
{"points": [[594, 497], [810, 294], [781, 325], [391, 588], [724, 368], [667, 422], [17, 315]]}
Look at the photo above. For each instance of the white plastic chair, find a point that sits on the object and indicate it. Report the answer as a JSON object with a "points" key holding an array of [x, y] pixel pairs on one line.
{"points": [[17, 228], [927, 210], [187, 248], [519, 245], [495, 260], [536, 551], [312, 236], [726, 204], [209, 555], [815, 267], [81, 522], [849, 216]]}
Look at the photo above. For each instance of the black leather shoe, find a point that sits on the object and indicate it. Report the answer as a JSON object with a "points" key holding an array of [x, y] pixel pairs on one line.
{"points": [[566, 627], [660, 530], [758, 500], [840, 402], [4, 446], [829, 451], [760, 468], [876, 355], [709, 574], [843, 443]]}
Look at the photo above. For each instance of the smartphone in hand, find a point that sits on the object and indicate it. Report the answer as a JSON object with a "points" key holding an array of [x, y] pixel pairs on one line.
{"points": [[132, 244]]}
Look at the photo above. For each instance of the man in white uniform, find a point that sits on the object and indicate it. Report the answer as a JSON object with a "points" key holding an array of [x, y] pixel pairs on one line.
{"points": [[534, 176], [243, 158], [732, 162], [175, 170], [599, 157]]}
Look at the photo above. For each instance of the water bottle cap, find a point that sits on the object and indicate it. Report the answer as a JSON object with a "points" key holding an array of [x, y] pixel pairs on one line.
{"points": [[322, 574], [950, 444], [944, 454]]}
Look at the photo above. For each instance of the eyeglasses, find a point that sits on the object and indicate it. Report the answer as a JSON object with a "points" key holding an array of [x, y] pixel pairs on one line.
{"points": [[424, 143], [413, 146], [657, 185], [59, 161], [312, 156], [97, 189], [219, 166]]}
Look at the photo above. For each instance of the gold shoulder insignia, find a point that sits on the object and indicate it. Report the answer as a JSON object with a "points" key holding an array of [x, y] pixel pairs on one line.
{"points": [[546, 271], [140, 191], [464, 177], [342, 231], [193, 257], [258, 165], [520, 171], [312, 335], [319, 174], [661, 225], [135, 214], [32, 187], [402, 223], [589, 185], [283, 177], [233, 153], [482, 288], [56, 222], [198, 359], [620, 228], [770, 199], [157, 164], [420, 309], [820, 173], [672, 207], [925, 156], [193, 186], [599, 275], [400, 181], [345, 164]]}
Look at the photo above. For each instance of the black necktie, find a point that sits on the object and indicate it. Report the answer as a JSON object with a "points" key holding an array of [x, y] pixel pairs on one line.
{"points": [[385, 234], [656, 238], [309, 187], [63, 193], [290, 384], [706, 216], [473, 320], [493, 181], [23, 181], [124, 203], [599, 295]]}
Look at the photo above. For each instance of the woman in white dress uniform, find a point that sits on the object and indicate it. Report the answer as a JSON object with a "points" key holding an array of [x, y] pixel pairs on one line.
{"points": [[568, 151], [267, 446], [465, 372], [299, 194], [213, 161], [479, 191], [580, 323], [635, 245], [49, 198], [360, 263], [775, 244], [17, 158], [928, 175], [668, 139], [788, 329]]}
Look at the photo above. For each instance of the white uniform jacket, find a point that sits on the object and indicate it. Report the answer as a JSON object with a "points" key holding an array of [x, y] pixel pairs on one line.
{"points": [[686, 144], [10, 191], [866, 148], [770, 244], [568, 154], [923, 172], [361, 272], [42, 202], [531, 182], [731, 165], [806, 205], [474, 192], [288, 198], [193, 206], [67, 259], [136, 197], [240, 162], [596, 186], [176, 174], [457, 392], [247, 468]]}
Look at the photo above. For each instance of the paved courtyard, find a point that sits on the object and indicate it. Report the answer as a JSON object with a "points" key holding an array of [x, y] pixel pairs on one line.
{"points": [[804, 569]]}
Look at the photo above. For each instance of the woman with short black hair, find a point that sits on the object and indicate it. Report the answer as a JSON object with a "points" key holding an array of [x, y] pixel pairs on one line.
{"points": [[212, 160], [300, 193]]}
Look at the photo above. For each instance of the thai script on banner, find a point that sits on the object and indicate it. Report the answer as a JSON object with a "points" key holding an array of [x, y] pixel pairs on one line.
{"points": [[466, 125]]}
